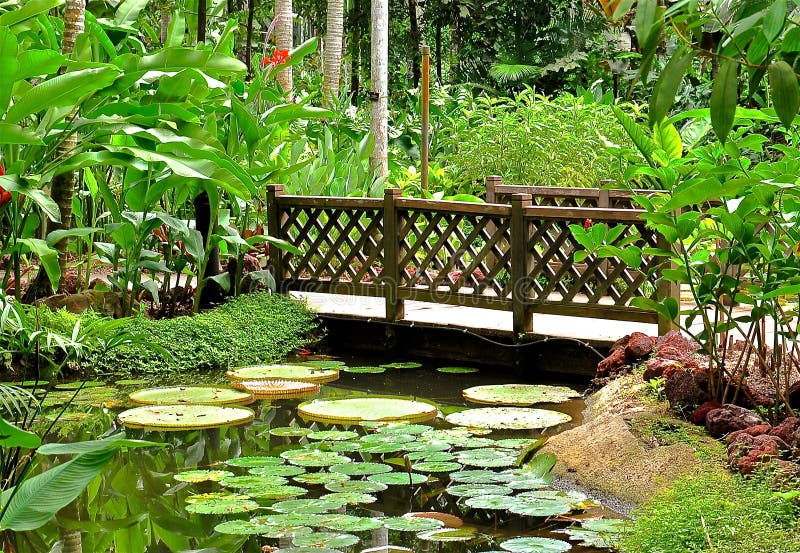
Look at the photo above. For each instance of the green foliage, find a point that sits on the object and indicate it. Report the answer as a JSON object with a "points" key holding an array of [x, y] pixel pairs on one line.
{"points": [[714, 511], [250, 329]]}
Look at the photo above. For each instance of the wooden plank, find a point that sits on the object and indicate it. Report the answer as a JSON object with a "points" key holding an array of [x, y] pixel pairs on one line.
{"points": [[333, 202], [520, 264], [451, 298], [461, 208], [594, 311], [580, 213], [275, 220], [373, 290], [390, 276]]}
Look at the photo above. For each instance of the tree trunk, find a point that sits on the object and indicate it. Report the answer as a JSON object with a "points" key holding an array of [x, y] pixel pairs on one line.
{"points": [[355, 51], [439, 51], [284, 39], [379, 67], [333, 49], [166, 19], [415, 43], [202, 16]]}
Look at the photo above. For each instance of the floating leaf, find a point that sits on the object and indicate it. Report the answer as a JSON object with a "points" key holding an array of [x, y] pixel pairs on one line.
{"points": [[199, 395], [314, 457], [332, 435], [194, 476], [457, 370], [486, 458], [388, 437], [508, 418], [321, 478], [535, 545], [358, 486], [436, 467], [323, 364], [197, 498], [516, 443], [364, 370], [344, 447], [475, 476], [325, 539], [398, 478], [464, 533], [519, 394], [407, 365], [222, 506], [284, 372], [306, 550], [350, 523], [249, 481], [242, 528], [184, 417], [489, 502], [290, 432], [473, 490], [276, 491], [573, 498], [306, 506], [403, 428], [130, 382], [351, 498], [412, 524], [78, 385], [360, 469], [277, 470], [290, 520], [597, 532], [450, 521], [252, 462], [278, 389], [354, 410], [538, 507]]}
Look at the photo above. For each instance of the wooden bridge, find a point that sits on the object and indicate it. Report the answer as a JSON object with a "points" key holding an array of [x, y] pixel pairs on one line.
{"points": [[512, 254]]}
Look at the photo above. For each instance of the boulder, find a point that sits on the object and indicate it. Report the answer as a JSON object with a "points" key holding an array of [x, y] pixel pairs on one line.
{"points": [[746, 453], [686, 389], [753, 431], [674, 345], [786, 430], [639, 345], [613, 364], [657, 365], [698, 416], [730, 418], [105, 302]]}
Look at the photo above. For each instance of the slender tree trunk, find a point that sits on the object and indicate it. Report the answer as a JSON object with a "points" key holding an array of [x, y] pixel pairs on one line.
{"points": [[454, 69], [251, 8], [439, 51], [166, 19], [284, 39], [333, 49], [202, 17], [355, 52], [415, 42], [379, 66]]}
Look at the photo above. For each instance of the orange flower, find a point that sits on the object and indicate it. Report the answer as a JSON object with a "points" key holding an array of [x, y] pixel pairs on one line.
{"points": [[279, 57]]}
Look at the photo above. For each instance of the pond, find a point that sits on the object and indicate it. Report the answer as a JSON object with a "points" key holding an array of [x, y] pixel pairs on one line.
{"points": [[284, 482]]}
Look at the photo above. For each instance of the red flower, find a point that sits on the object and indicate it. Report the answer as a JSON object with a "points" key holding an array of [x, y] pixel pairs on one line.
{"points": [[4, 194], [587, 224], [279, 57]]}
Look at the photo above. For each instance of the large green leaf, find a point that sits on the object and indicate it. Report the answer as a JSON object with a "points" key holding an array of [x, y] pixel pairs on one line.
{"points": [[724, 96], [774, 19], [128, 11], [64, 90], [292, 112], [45, 202], [112, 443], [785, 91], [11, 436], [48, 257], [29, 11], [643, 143], [14, 134], [8, 68], [182, 58], [667, 84]]}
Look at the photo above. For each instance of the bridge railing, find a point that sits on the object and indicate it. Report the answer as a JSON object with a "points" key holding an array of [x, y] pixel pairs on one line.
{"points": [[515, 257]]}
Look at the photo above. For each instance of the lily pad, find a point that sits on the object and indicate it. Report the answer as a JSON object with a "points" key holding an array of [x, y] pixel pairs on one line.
{"points": [[535, 545], [398, 478], [249, 481], [306, 506], [350, 523], [516, 443], [278, 389], [351, 498], [387, 438], [323, 363], [252, 462], [364, 370], [359, 486], [314, 457], [474, 476], [306, 550], [450, 521], [325, 539], [290, 431], [538, 507], [197, 498], [457, 370], [574, 499], [125, 382], [321, 478], [436, 466], [242, 528], [519, 394], [284, 372], [488, 502], [599, 532], [197, 395], [508, 418], [76, 385], [194, 476], [487, 458], [412, 524], [354, 410], [223, 506], [184, 417], [345, 447], [289, 520], [431, 456], [276, 492], [474, 490], [462, 534], [406, 365], [403, 428], [277, 470], [332, 435], [360, 469]]}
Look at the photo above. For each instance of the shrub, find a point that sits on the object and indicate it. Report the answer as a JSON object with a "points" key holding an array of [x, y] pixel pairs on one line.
{"points": [[253, 328], [715, 511]]}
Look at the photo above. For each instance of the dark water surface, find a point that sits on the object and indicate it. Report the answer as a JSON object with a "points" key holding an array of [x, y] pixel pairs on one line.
{"points": [[138, 507]]}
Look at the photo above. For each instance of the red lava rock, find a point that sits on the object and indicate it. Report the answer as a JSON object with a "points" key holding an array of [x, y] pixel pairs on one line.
{"points": [[673, 343], [751, 397], [757, 430], [657, 365], [612, 364], [787, 472], [747, 452], [251, 264], [621, 343], [639, 345], [698, 416], [786, 429], [686, 389], [730, 418], [793, 395]]}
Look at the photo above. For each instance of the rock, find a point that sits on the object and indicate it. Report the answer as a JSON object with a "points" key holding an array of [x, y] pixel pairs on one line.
{"points": [[674, 345], [698, 416], [786, 429], [753, 431], [786, 473], [71, 282], [793, 395], [613, 364], [746, 453], [730, 418], [250, 264], [657, 365], [639, 345], [107, 303], [685, 389], [620, 344]]}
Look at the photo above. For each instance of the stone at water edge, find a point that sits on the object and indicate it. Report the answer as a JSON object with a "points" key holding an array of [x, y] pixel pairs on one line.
{"points": [[730, 418]]}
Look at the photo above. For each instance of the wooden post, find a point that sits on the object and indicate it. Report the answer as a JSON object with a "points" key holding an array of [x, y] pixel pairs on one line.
{"points": [[390, 275], [520, 264], [426, 101], [667, 289], [274, 225], [492, 181], [603, 201]]}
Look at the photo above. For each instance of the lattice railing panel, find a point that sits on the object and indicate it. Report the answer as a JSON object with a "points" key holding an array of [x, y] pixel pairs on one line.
{"points": [[339, 245], [554, 276], [455, 253]]}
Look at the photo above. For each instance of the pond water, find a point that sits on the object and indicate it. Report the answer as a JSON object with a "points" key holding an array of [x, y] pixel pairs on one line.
{"points": [[138, 505]]}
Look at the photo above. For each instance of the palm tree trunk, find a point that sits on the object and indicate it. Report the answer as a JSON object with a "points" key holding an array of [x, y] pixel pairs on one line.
{"points": [[333, 49], [415, 44], [355, 52], [166, 19], [379, 66], [284, 39]]}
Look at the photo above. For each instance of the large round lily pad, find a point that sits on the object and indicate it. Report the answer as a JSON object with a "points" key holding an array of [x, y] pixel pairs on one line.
{"points": [[278, 389], [457, 370], [360, 469], [412, 524], [350, 523], [355, 410], [223, 506], [284, 372], [198, 395], [194, 476], [184, 417], [535, 545], [325, 539], [314, 457], [519, 394], [398, 478], [508, 418]]}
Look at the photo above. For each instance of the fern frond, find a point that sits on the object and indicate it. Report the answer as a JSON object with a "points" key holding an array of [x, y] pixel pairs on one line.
{"points": [[507, 73]]}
